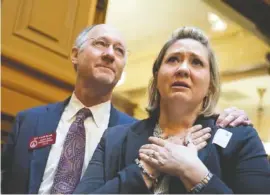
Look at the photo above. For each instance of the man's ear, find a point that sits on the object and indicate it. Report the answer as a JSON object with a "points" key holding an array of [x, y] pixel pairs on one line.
{"points": [[74, 57]]}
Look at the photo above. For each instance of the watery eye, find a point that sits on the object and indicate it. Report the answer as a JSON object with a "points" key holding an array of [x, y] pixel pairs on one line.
{"points": [[100, 43], [196, 61], [172, 59], [119, 50]]}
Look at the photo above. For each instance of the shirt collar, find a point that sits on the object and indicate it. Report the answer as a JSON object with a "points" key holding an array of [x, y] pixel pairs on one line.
{"points": [[98, 111]]}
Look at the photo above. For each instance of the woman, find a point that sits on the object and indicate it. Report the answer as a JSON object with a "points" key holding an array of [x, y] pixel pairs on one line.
{"points": [[184, 92]]}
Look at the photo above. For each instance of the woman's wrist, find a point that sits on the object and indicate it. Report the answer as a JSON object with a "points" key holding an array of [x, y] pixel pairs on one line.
{"points": [[193, 174], [148, 176]]}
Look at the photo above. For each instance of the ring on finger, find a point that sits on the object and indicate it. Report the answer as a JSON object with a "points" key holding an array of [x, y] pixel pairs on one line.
{"points": [[188, 141], [151, 155]]}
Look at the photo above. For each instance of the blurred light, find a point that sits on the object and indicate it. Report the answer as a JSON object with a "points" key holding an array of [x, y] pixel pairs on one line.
{"points": [[216, 23], [267, 147], [122, 79]]}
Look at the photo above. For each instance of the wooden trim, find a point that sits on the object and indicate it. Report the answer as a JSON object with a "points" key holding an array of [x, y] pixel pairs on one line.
{"points": [[32, 62], [32, 83], [101, 10]]}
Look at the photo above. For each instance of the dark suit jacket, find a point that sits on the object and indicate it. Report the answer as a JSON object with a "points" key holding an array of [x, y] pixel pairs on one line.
{"points": [[22, 169], [241, 167]]}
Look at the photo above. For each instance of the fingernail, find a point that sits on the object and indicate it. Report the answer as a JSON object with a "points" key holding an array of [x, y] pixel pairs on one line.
{"points": [[232, 125]]}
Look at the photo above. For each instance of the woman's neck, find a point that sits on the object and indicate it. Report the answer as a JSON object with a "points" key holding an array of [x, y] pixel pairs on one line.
{"points": [[173, 120]]}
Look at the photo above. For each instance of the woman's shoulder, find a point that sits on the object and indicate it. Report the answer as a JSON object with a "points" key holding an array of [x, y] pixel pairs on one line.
{"points": [[241, 132], [242, 140]]}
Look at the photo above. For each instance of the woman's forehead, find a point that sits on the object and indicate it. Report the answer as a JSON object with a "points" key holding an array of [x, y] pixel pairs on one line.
{"points": [[188, 46]]}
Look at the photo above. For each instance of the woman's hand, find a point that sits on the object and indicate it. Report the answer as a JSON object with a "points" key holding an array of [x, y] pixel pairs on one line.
{"points": [[198, 136], [175, 160]]}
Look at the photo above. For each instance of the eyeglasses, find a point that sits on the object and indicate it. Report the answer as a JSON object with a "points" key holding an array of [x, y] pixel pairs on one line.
{"points": [[103, 44]]}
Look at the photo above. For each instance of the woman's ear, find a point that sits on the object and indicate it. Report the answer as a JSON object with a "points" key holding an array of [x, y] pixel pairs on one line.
{"points": [[74, 57]]}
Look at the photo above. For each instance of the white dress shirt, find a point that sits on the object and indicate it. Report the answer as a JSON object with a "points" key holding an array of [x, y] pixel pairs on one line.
{"points": [[94, 129]]}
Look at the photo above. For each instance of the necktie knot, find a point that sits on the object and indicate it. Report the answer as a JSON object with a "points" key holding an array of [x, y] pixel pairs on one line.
{"points": [[82, 114]]}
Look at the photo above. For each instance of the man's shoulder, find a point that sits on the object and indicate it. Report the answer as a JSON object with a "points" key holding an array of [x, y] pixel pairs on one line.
{"points": [[38, 109], [124, 118]]}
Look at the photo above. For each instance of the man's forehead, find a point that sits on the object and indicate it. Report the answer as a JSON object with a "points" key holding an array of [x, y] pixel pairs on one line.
{"points": [[106, 31]]}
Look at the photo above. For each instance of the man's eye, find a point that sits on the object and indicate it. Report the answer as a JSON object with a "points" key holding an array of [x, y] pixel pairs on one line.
{"points": [[120, 50], [100, 43]]}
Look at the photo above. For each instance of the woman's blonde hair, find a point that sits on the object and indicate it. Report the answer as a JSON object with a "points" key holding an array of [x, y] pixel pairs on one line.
{"points": [[210, 101]]}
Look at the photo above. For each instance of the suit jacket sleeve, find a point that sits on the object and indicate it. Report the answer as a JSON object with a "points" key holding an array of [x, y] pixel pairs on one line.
{"points": [[8, 154], [128, 180], [250, 172]]}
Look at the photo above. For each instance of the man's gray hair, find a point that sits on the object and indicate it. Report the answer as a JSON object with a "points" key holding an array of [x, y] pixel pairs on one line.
{"points": [[82, 37]]}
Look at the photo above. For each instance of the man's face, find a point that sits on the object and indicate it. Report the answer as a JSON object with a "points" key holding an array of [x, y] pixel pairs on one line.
{"points": [[102, 57]]}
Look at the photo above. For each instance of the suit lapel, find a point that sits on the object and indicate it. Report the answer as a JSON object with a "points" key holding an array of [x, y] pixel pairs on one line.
{"points": [[47, 123], [137, 137], [114, 117], [206, 122]]}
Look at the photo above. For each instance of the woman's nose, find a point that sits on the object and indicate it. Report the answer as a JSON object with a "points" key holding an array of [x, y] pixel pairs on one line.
{"points": [[183, 69]]}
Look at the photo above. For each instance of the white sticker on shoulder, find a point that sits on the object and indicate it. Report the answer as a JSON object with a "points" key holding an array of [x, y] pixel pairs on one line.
{"points": [[222, 138]]}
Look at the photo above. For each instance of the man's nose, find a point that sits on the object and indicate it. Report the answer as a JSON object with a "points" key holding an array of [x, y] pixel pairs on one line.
{"points": [[109, 54]]}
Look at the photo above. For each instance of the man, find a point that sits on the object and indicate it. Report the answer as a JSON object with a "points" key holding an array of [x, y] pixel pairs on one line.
{"points": [[50, 146]]}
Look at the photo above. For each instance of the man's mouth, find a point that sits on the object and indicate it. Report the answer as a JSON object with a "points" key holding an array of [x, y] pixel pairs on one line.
{"points": [[107, 67]]}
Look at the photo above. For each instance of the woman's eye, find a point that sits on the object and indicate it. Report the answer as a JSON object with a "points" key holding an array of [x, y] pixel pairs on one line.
{"points": [[197, 62], [172, 59]]}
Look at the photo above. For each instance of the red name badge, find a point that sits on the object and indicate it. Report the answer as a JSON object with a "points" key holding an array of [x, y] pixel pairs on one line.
{"points": [[42, 141]]}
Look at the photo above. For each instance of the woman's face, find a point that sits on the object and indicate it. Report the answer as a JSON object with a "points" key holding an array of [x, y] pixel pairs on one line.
{"points": [[184, 74]]}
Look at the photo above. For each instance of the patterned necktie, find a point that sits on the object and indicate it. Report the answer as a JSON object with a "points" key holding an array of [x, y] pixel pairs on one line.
{"points": [[69, 168]]}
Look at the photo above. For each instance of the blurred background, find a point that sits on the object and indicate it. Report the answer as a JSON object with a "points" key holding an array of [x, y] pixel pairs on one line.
{"points": [[37, 36]]}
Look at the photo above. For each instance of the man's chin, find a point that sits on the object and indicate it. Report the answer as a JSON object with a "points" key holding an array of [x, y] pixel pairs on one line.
{"points": [[106, 80]]}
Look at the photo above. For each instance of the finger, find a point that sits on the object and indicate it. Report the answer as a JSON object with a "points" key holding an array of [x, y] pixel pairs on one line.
{"points": [[157, 141], [188, 139], [189, 143], [159, 158], [151, 161], [150, 146], [195, 128], [223, 115], [227, 121], [240, 120], [200, 133], [147, 152], [201, 139], [201, 145], [248, 122]]}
